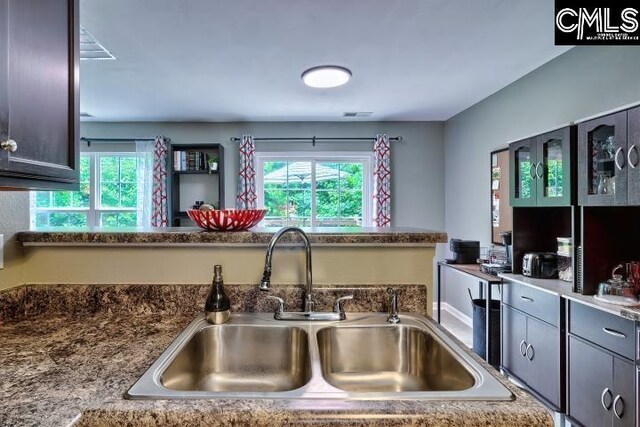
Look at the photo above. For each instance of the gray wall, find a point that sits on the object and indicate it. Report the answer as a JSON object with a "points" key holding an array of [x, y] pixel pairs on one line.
{"points": [[580, 83], [417, 162]]}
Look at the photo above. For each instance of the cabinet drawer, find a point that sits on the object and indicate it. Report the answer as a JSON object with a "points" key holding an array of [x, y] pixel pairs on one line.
{"points": [[536, 303], [607, 330]]}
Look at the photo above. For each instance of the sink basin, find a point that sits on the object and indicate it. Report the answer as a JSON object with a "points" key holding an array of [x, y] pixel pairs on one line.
{"points": [[237, 358], [389, 359], [254, 356]]}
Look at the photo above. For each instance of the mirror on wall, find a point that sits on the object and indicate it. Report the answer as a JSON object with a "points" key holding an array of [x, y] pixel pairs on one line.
{"points": [[501, 213]]}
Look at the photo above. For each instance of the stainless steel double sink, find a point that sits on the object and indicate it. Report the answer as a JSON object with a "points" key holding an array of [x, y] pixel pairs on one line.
{"points": [[363, 357]]}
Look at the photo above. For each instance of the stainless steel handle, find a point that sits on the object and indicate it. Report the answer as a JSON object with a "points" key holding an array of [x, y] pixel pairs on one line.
{"points": [[532, 171], [613, 332], [523, 351], [633, 147], [533, 352], [528, 299], [539, 175], [280, 303], [618, 151], [337, 306], [604, 393], [617, 400], [9, 145]]}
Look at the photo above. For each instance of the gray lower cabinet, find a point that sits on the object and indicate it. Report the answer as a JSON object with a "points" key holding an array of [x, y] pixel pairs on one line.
{"points": [[601, 386], [531, 353]]}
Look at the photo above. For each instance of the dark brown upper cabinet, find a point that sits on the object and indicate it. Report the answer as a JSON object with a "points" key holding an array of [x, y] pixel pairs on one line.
{"points": [[602, 161], [39, 103], [541, 169]]}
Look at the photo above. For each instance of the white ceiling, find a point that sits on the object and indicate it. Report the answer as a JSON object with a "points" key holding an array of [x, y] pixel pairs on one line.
{"points": [[236, 60]]}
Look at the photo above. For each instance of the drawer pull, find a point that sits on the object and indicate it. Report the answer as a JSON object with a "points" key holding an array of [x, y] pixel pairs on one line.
{"points": [[614, 332], [9, 145], [605, 392], [533, 352], [528, 299], [523, 350], [620, 413]]}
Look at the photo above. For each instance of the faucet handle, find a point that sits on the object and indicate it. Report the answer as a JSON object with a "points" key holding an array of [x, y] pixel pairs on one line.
{"points": [[280, 303], [337, 306]]}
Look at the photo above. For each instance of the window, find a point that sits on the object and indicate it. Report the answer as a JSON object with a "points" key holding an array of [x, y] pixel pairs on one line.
{"points": [[315, 190], [108, 196]]}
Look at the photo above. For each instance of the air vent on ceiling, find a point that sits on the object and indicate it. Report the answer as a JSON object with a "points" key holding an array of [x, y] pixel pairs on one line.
{"points": [[90, 48], [358, 114]]}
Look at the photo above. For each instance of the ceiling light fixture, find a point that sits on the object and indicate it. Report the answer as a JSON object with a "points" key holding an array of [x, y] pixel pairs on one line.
{"points": [[326, 76]]}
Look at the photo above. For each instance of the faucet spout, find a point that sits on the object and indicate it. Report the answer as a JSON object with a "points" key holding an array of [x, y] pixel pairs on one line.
{"points": [[265, 283]]}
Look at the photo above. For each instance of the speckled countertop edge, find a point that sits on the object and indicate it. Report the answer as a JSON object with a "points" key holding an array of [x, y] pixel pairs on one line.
{"points": [[63, 369], [256, 236], [563, 289]]}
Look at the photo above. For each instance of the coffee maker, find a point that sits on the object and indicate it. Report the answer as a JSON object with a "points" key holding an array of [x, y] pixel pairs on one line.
{"points": [[508, 247]]}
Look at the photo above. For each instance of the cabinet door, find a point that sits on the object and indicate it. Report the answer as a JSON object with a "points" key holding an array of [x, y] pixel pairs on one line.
{"points": [[602, 161], [633, 157], [522, 170], [590, 387], [624, 401], [553, 168], [514, 343], [42, 82], [543, 353]]}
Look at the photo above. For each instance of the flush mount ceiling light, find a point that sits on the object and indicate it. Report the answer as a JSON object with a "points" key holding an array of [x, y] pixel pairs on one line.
{"points": [[326, 76]]}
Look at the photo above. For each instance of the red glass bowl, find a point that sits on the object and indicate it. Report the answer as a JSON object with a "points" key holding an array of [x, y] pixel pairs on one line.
{"points": [[227, 219]]}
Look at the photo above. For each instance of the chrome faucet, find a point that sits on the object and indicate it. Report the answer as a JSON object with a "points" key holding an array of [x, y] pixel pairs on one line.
{"points": [[393, 306], [266, 275], [309, 304]]}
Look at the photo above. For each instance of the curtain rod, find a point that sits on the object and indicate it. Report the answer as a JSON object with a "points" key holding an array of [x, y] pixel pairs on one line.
{"points": [[90, 140], [314, 139]]}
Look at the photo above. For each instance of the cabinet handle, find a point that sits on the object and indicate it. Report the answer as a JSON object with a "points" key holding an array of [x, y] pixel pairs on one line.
{"points": [[532, 171], [533, 352], [617, 400], [528, 299], [523, 350], [539, 175], [618, 151], [9, 145], [613, 332], [604, 393], [633, 147]]}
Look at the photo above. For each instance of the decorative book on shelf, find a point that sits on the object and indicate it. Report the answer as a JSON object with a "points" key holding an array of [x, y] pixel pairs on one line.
{"points": [[190, 161]]}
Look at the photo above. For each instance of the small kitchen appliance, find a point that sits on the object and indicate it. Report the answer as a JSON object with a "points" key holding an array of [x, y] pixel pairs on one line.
{"points": [[464, 251], [540, 265]]}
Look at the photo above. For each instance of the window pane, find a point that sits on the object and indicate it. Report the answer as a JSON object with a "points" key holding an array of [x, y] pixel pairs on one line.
{"points": [[62, 199], [109, 195], [43, 199], [127, 219], [42, 219], [80, 199], [275, 201], [77, 219], [109, 220], [84, 169], [351, 176], [109, 169], [351, 204], [327, 175], [299, 206], [128, 167], [327, 204], [128, 195], [58, 219]]}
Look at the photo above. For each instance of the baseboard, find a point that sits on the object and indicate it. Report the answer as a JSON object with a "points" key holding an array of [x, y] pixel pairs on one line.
{"points": [[454, 312]]}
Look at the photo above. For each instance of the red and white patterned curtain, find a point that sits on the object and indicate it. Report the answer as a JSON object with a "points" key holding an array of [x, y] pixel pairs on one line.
{"points": [[382, 182], [247, 197], [159, 210]]}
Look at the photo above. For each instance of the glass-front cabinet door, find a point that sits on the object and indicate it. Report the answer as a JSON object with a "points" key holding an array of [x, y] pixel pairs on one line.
{"points": [[553, 168], [522, 170], [602, 161], [633, 157]]}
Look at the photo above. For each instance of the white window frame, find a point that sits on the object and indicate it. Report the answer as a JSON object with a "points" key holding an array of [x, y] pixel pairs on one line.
{"points": [[321, 157], [94, 210]]}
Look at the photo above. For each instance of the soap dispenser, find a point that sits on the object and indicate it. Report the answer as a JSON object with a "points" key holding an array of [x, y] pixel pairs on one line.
{"points": [[218, 306]]}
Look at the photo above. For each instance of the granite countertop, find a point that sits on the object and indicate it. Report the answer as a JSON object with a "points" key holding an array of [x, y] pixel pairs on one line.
{"points": [[563, 289], [256, 236], [74, 368]]}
